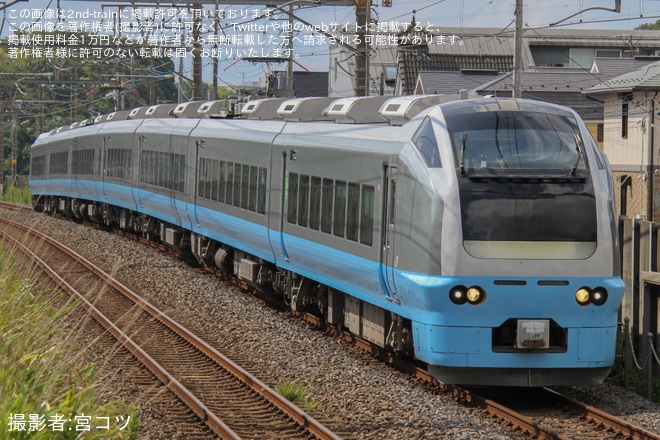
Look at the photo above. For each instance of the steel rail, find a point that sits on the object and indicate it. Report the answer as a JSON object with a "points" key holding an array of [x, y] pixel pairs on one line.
{"points": [[520, 421], [214, 423], [628, 429], [299, 416]]}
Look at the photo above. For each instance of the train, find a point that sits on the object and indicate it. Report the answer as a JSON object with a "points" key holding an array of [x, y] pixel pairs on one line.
{"points": [[477, 235]]}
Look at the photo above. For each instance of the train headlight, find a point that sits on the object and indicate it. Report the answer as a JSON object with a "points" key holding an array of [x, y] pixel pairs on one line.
{"points": [[599, 296], [457, 295], [475, 295], [583, 296]]}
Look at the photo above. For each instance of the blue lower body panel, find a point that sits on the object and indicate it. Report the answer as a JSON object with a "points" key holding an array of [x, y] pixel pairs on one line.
{"points": [[464, 343], [461, 343]]}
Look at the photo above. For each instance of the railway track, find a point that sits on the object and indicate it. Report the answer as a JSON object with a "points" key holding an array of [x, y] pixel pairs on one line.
{"points": [[232, 402], [548, 414], [540, 413], [536, 413]]}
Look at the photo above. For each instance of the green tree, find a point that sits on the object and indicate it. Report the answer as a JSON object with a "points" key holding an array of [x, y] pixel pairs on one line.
{"points": [[649, 26], [39, 92]]}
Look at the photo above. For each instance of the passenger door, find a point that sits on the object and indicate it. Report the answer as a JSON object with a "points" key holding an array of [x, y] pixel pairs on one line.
{"points": [[388, 257], [284, 201]]}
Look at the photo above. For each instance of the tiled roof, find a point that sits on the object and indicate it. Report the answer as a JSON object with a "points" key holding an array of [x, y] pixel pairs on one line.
{"points": [[560, 86], [307, 84], [451, 82], [612, 67], [645, 78], [474, 45], [547, 80]]}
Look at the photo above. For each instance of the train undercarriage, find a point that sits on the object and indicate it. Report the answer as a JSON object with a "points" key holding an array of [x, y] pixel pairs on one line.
{"points": [[377, 325]]}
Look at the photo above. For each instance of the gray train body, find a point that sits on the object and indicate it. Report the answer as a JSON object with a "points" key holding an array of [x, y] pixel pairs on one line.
{"points": [[460, 232]]}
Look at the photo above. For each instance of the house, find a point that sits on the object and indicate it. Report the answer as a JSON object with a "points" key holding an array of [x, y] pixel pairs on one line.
{"points": [[304, 84], [631, 138], [448, 82], [486, 49]]}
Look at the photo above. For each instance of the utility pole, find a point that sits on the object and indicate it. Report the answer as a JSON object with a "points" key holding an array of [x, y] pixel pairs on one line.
{"points": [[216, 58], [362, 21], [289, 64], [197, 53], [517, 51], [14, 141]]}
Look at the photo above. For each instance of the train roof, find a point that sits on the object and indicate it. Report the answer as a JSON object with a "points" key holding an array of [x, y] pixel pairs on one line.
{"points": [[395, 110], [377, 111]]}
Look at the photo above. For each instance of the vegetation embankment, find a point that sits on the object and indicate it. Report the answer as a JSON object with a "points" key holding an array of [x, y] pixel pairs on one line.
{"points": [[46, 392], [14, 194]]}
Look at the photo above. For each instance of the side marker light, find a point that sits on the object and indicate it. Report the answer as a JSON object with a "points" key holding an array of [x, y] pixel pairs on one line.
{"points": [[457, 295]]}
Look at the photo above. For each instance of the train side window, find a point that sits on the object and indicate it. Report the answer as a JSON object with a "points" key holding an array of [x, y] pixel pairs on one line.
{"points": [[263, 179], [144, 166], [160, 170], [245, 186], [118, 163], [392, 202], [205, 178], [424, 140], [326, 206], [172, 162], [222, 172], [237, 184], [152, 167], [178, 168], [293, 198], [315, 203], [202, 178], [38, 166], [339, 221], [252, 202], [230, 182], [126, 164], [353, 212], [169, 170], [182, 173], [303, 200], [213, 180], [367, 215], [171, 173], [82, 162], [164, 170], [176, 161], [58, 163], [107, 161]]}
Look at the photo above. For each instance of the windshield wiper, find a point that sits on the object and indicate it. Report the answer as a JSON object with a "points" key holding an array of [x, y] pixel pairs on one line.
{"points": [[579, 148], [462, 158]]}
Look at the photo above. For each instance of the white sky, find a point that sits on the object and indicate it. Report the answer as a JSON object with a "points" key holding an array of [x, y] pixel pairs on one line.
{"points": [[438, 13]]}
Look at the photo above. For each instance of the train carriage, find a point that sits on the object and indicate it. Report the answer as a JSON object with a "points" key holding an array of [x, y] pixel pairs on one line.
{"points": [[476, 235], [233, 182]]}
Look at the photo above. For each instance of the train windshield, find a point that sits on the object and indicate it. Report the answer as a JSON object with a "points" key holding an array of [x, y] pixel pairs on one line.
{"points": [[514, 140]]}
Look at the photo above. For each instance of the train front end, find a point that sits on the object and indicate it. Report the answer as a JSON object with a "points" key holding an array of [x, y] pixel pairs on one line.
{"points": [[530, 287]]}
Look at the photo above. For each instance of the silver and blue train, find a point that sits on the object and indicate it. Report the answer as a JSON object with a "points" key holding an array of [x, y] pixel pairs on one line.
{"points": [[476, 235]]}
